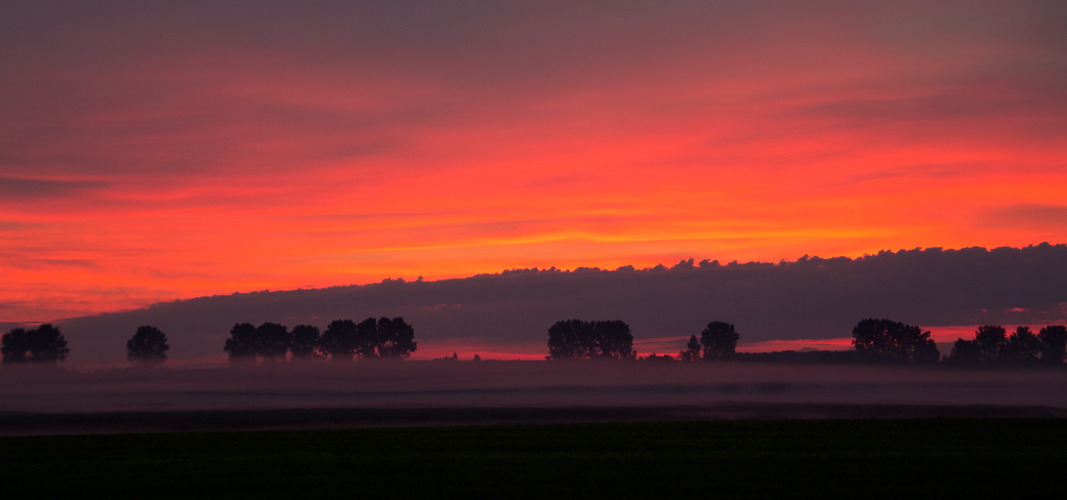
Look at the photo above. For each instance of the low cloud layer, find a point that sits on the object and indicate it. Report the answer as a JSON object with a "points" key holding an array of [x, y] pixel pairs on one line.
{"points": [[812, 298]]}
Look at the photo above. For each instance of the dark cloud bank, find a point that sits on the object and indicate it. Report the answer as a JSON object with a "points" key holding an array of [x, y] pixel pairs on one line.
{"points": [[810, 298]]}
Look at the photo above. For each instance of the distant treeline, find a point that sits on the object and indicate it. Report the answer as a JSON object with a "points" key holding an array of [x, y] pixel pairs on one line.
{"points": [[577, 339], [993, 346], [343, 340], [883, 341], [875, 341], [43, 344]]}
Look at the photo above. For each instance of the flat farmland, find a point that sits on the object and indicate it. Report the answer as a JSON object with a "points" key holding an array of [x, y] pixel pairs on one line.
{"points": [[833, 458]]}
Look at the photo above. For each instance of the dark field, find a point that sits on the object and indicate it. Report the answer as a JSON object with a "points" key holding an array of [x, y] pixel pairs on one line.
{"points": [[894, 458]]}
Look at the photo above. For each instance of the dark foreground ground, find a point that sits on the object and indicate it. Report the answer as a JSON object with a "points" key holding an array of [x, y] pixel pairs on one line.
{"points": [[872, 458], [115, 422]]}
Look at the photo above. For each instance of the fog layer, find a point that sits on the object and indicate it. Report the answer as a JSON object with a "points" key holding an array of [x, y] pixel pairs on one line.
{"points": [[518, 384]]}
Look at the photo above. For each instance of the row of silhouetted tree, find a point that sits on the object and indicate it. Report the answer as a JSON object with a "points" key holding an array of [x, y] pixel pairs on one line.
{"points": [[717, 341], [993, 346], [875, 341], [888, 341], [41, 345], [343, 340], [882, 340], [578, 339], [46, 345]]}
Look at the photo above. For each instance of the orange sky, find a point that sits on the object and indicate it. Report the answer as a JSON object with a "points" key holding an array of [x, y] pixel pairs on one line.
{"points": [[150, 154]]}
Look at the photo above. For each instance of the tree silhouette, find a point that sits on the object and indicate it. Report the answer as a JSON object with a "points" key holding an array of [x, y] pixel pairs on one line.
{"points": [[371, 338], [692, 351], [15, 347], [305, 342], [272, 342], [1052, 340], [453, 357], [396, 338], [990, 340], [1021, 348], [965, 353], [367, 339], [989, 347], [880, 340], [577, 339], [719, 340], [887, 341], [563, 340], [339, 340], [147, 348], [47, 345], [924, 350], [42, 345], [613, 340], [241, 346]]}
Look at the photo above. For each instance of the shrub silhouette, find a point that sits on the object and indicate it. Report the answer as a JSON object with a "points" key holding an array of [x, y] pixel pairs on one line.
{"points": [[813, 357], [305, 343], [658, 358], [42, 345], [887, 341], [692, 351], [147, 348], [1052, 341], [577, 339], [719, 340]]}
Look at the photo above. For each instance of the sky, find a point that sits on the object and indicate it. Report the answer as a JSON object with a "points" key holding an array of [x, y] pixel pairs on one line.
{"points": [[152, 151]]}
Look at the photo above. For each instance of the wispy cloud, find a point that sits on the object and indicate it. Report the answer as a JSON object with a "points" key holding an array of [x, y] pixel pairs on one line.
{"points": [[1027, 217], [28, 188]]}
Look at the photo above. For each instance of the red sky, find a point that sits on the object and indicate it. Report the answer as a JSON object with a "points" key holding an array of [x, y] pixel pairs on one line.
{"points": [[149, 154]]}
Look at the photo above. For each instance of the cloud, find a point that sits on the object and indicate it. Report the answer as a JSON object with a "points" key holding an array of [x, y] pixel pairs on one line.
{"points": [[1027, 216], [17, 261], [23, 188], [812, 298]]}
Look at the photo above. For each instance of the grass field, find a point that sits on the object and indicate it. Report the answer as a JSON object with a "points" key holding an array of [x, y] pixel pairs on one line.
{"points": [[720, 459]]}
